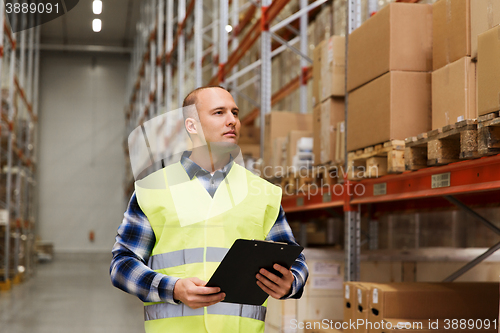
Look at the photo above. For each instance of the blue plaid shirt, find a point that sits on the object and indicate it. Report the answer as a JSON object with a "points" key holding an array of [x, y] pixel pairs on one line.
{"points": [[136, 239]]}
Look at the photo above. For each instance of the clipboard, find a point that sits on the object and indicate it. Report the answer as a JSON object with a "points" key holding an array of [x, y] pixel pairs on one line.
{"points": [[235, 275]]}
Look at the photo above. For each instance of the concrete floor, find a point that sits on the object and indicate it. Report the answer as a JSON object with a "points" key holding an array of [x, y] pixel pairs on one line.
{"points": [[71, 294]]}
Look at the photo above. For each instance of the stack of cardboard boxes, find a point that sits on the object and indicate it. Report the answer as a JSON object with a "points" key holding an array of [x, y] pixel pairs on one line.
{"points": [[458, 25], [389, 84], [249, 141], [281, 128], [328, 98], [422, 307], [486, 15]]}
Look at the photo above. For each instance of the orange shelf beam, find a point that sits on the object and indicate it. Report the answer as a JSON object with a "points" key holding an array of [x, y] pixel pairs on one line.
{"points": [[249, 39], [293, 85]]}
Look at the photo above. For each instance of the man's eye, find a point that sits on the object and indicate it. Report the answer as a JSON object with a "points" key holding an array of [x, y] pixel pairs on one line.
{"points": [[235, 114]]}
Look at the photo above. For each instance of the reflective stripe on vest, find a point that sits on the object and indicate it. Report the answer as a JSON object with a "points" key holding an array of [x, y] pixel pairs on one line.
{"points": [[167, 310], [186, 256]]}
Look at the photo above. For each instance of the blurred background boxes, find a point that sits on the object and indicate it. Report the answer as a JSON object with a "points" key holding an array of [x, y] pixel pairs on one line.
{"points": [[326, 117]]}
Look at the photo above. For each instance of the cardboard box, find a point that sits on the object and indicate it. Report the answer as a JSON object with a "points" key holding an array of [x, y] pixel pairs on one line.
{"points": [[332, 112], [332, 67], [396, 105], [488, 72], [317, 73], [279, 156], [362, 304], [250, 150], [320, 307], [279, 124], [398, 37], [249, 135], [317, 134], [460, 300], [454, 93], [340, 143], [484, 15], [293, 137], [280, 313], [451, 34], [349, 304]]}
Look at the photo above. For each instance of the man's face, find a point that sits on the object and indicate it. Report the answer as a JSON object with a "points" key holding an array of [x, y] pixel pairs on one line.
{"points": [[218, 115]]}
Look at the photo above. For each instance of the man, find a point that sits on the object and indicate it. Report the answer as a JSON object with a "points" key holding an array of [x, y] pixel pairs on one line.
{"points": [[171, 240]]}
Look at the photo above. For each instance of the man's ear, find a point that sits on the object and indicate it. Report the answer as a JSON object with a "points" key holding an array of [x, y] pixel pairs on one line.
{"points": [[190, 124]]}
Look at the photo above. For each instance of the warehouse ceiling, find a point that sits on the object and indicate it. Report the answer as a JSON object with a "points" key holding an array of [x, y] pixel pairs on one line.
{"points": [[118, 17]]}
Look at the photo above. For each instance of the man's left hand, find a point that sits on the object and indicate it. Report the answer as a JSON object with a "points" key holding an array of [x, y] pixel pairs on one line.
{"points": [[275, 286]]}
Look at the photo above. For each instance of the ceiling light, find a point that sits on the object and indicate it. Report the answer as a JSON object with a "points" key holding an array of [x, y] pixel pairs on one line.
{"points": [[97, 7], [229, 28], [96, 25]]}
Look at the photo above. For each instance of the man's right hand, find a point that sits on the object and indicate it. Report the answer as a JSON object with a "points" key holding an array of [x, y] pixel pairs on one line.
{"points": [[193, 293]]}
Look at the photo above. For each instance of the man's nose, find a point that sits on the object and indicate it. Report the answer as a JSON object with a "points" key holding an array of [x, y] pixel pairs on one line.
{"points": [[231, 119]]}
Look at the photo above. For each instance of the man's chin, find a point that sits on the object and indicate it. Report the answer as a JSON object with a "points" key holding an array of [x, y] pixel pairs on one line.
{"points": [[224, 146]]}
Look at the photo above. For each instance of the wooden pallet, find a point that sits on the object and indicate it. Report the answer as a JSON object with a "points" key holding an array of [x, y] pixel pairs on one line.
{"points": [[376, 161], [328, 173], [488, 136], [445, 145]]}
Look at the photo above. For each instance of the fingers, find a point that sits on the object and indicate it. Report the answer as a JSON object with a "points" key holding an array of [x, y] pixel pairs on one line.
{"points": [[198, 301], [269, 275], [206, 290], [282, 269], [268, 291], [205, 299], [201, 289], [271, 285], [197, 281]]}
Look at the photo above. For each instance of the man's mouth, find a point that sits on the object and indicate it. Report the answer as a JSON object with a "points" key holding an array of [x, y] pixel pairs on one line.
{"points": [[230, 134]]}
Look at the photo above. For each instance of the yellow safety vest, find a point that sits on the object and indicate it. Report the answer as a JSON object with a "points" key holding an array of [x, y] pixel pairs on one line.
{"points": [[194, 232]]}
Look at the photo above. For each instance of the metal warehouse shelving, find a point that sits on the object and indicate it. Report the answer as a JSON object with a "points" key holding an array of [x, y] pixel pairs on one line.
{"points": [[160, 54], [19, 69]]}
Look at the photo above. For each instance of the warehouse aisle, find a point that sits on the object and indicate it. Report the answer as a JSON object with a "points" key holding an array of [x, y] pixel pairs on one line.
{"points": [[70, 296]]}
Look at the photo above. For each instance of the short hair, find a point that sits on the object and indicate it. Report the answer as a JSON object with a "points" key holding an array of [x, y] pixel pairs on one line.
{"points": [[191, 97]]}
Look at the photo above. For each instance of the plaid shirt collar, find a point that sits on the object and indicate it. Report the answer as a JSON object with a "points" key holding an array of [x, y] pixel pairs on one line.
{"points": [[193, 169]]}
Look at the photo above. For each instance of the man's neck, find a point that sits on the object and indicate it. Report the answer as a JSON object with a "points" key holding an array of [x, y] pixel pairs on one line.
{"points": [[209, 159]]}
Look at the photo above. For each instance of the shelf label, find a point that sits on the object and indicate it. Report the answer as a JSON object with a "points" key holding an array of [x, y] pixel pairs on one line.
{"points": [[441, 180], [327, 282], [300, 202], [347, 291], [4, 216], [360, 296], [327, 197], [325, 268], [380, 189], [375, 296]]}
